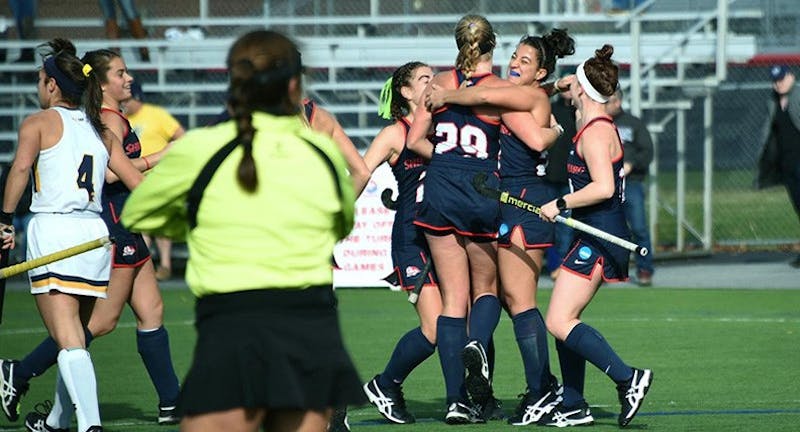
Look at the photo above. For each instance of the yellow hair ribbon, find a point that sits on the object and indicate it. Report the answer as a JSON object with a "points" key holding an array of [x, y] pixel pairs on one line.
{"points": [[86, 69]]}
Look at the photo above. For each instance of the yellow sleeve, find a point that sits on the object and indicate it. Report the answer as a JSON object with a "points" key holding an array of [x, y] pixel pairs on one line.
{"points": [[158, 204]]}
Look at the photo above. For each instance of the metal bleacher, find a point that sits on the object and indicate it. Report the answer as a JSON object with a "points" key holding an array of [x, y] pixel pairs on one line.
{"points": [[347, 71]]}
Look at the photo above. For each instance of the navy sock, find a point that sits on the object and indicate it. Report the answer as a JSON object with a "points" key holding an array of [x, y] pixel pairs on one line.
{"points": [[154, 349], [591, 345], [411, 350], [573, 374], [483, 319], [531, 337], [38, 361], [451, 336]]}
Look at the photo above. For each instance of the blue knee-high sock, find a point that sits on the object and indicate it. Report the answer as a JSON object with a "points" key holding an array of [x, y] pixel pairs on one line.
{"points": [[451, 336], [573, 374], [589, 343], [38, 361], [411, 350], [154, 349], [531, 337], [483, 319]]}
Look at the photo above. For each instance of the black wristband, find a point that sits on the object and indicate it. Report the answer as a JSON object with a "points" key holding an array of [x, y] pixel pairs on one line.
{"points": [[561, 204], [6, 218]]}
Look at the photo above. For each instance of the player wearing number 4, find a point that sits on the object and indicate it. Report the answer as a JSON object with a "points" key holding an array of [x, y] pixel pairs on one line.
{"points": [[132, 278], [63, 146], [597, 182], [409, 249], [460, 224], [523, 236]]}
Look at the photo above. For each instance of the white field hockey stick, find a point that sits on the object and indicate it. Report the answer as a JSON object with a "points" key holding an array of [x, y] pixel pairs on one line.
{"points": [[16, 269], [479, 182]]}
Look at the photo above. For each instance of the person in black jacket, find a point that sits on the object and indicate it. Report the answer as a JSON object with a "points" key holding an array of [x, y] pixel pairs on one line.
{"points": [[779, 162], [638, 154]]}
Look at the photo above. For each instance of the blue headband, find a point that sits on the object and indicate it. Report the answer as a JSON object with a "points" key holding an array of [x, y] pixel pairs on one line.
{"points": [[67, 85]]}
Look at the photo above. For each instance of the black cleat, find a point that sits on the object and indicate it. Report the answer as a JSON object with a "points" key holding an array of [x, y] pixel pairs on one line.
{"points": [[10, 391], [389, 401], [632, 393], [476, 380], [561, 416]]}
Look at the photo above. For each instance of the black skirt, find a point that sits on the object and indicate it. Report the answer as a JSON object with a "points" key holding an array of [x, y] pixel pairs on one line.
{"points": [[272, 349]]}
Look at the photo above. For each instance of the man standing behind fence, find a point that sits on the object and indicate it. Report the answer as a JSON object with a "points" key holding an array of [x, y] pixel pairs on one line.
{"points": [[638, 151], [780, 156]]}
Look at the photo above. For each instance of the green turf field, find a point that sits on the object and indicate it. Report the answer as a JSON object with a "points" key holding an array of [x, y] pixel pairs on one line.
{"points": [[723, 359]]}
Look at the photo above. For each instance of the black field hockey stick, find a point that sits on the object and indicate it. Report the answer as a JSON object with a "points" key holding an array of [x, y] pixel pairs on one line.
{"points": [[413, 296], [479, 182], [386, 199]]}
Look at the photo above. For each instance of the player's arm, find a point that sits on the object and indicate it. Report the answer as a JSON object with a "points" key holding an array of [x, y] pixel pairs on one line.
{"points": [[507, 96], [386, 145], [119, 165], [115, 125], [417, 138], [325, 122], [28, 146], [526, 127]]}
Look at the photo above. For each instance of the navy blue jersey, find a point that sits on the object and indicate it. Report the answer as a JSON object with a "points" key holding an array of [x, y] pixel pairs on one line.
{"points": [[130, 250], [460, 133], [133, 149], [465, 144], [309, 107], [587, 251], [409, 249], [579, 177], [519, 160]]}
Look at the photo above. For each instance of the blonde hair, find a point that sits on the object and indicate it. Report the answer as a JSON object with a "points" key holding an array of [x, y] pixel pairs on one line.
{"points": [[474, 37]]}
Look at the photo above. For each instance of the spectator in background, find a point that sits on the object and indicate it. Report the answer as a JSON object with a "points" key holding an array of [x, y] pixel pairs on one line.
{"points": [[22, 216], [779, 162], [156, 128], [638, 147], [131, 14], [556, 174], [24, 15]]}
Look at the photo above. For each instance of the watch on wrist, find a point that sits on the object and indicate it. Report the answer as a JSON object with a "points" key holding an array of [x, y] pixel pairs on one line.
{"points": [[561, 204]]}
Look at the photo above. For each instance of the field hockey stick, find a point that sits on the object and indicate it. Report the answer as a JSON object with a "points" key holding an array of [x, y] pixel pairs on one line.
{"points": [[24, 266], [479, 182], [414, 295], [386, 199]]}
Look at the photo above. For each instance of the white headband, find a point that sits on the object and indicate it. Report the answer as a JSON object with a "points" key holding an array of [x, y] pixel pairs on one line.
{"points": [[587, 86]]}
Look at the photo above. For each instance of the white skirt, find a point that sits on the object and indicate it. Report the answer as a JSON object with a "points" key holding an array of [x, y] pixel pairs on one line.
{"points": [[85, 274]]}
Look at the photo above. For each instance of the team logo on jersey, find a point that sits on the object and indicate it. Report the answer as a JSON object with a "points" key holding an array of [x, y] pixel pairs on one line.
{"points": [[503, 230], [585, 252], [412, 271], [128, 250]]}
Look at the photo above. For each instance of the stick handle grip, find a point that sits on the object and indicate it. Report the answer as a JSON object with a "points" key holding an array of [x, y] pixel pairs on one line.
{"points": [[16, 269]]}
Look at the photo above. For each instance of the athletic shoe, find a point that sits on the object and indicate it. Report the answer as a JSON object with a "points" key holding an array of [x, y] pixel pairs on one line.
{"points": [[631, 394], [389, 401], [95, 429], [10, 391], [476, 366], [561, 416], [494, 409], [644, 278], [531, 409], [35, 422], [338, 422], [168, 416], [463, 413]]}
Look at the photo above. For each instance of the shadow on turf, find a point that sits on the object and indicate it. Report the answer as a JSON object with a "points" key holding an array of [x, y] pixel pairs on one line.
{"points": [[111, 411]]}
